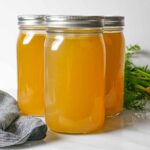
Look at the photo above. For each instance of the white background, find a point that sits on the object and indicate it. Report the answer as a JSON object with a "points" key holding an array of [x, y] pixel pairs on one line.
{"points": [[137, 28]]}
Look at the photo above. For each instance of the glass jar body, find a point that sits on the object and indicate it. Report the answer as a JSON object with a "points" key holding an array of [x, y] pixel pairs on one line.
{"points": [[30, 61], [74, 81], [115, 50]]}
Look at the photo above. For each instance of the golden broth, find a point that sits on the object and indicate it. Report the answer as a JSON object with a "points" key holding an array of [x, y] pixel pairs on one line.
{"points": [[75, 83], [114, 42], [30, 57]]}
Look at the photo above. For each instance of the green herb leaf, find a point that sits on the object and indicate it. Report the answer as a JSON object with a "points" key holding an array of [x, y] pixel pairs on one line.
{"points": [[137, 81]]}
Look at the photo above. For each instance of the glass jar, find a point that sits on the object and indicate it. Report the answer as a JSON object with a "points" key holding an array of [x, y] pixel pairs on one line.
{"points": [[115, 50], [74, 74], [30, 60]]}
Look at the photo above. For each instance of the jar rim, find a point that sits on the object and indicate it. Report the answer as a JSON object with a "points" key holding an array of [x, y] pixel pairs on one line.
{"points": [[114, 21], [31, 20], [64, 21]]}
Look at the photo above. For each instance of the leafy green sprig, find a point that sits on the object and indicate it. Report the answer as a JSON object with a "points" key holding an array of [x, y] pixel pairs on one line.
{"points": [[137, 81]]}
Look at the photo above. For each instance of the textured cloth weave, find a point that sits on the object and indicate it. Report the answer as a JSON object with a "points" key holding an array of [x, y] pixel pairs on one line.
{"points": [[16, 129]]}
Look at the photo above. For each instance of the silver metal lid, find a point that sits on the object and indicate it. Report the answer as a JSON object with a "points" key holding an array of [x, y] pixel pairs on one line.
{"points": [[32, 20], [110, 21], [75, 21]]}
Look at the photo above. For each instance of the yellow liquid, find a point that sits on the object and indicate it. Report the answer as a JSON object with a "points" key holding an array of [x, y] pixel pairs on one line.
{"points": [[30, 59], [115, 45], [75, 72]]}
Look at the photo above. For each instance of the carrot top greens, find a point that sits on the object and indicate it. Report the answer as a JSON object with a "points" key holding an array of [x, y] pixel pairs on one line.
{"points": [[137, 81]]}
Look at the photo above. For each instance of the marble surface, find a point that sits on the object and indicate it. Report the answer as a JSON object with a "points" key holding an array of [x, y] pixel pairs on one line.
{"points": [[130, 130]]}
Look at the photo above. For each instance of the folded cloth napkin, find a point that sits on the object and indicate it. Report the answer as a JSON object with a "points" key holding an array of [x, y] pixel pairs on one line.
{"points": [[16, 129]]}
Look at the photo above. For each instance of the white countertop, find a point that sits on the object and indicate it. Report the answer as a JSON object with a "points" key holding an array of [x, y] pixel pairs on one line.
{"points": [[130, 130]]}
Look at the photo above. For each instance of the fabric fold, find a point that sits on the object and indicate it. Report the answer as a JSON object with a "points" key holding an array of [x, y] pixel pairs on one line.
{"points": [[16, 129]]}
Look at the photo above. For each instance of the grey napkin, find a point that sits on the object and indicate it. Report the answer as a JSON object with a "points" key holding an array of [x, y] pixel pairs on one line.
{"points": [[16, 129]]}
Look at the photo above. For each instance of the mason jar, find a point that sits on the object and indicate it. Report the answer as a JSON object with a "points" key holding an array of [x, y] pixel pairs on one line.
{"points": [[30, 61], [115, 50], [74, 74]]}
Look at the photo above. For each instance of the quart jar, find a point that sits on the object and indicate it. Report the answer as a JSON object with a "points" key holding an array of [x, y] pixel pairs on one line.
{"points": [[30, 60], [74, 74], [115, 50]]}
